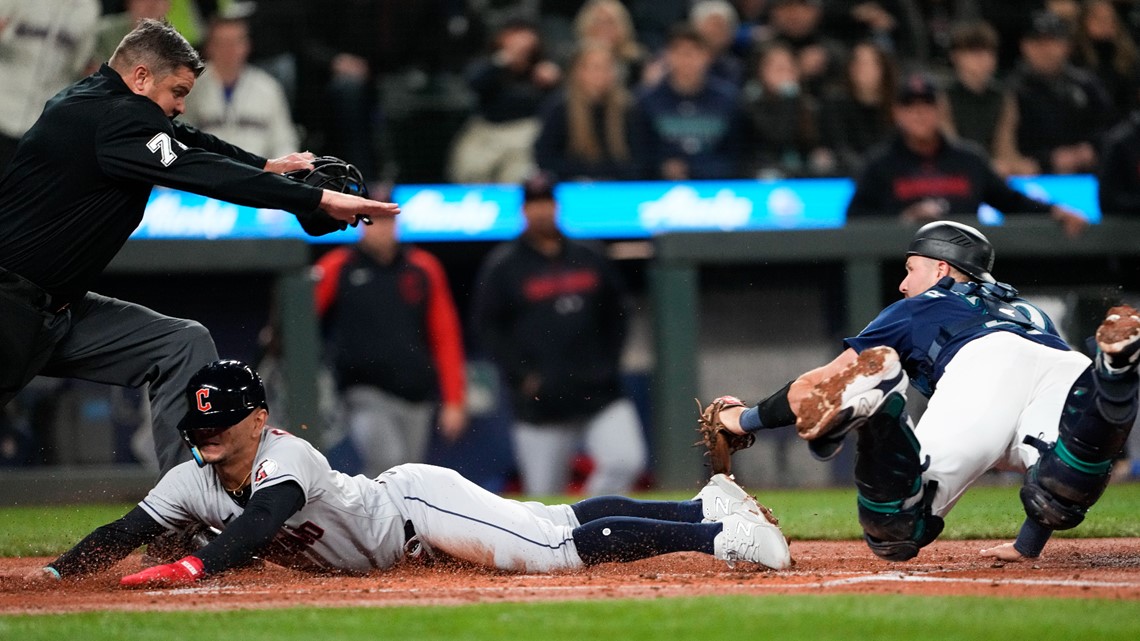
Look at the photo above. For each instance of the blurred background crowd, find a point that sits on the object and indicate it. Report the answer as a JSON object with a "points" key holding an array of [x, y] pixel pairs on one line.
{"points": [[489, 90], [501, 91]]}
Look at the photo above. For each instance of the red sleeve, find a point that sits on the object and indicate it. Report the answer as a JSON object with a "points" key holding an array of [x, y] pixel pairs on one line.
{"points": [[327, 273], [445, 336]]}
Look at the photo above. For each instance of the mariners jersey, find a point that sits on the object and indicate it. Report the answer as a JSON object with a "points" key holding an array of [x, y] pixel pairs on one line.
{"points": [[347, 524], [928, 330], [81, 177]]}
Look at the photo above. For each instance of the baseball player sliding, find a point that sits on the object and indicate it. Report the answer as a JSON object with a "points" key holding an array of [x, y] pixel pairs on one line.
{"points": [[1006, 392], [273, 495]]}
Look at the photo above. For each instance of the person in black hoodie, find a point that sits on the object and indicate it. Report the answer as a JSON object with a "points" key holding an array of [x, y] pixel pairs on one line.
{"points": [[921, 175], [551, 313]]}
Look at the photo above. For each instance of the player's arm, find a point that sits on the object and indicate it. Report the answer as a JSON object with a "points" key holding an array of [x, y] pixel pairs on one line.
{"points": [[106, 546], [779, 409], [264, 515], [193, 137]]}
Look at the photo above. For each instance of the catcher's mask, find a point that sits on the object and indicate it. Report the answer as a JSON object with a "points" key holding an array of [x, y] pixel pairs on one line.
{"points": [[330, 172], [960, 245], [218, 397]]}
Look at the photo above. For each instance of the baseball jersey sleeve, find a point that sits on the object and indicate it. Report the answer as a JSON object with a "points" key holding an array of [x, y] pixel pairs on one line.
{"points": [[179, 498], [892, 327], [136, 143], [287, 458]]}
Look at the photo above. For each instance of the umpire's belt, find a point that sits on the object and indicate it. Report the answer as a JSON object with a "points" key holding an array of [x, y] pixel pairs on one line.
{"points": [[26, 290]]}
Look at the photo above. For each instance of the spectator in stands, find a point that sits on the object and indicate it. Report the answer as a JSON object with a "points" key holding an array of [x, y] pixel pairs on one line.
{"points": [[237, 101], [44, 46], [112, 27], [586, 127], [784, 120], [716, 21], [1062, 110], [689, 125], [609, 22], [395, 345], [496, 144], [551, 313], [857, 115], [655, 19], [1105, 47], [1119, 175], [820, 57], [921, 175], [978, 108]]}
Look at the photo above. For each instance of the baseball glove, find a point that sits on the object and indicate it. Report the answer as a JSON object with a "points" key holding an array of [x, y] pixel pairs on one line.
{"points": [[717, 439], [330, 172]]}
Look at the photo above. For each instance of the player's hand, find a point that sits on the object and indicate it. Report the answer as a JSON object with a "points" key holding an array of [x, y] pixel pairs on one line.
{"points": [[1004, 552], [1071, 222], [184, 571], [452, 421], [346, 207], [292, 162]]}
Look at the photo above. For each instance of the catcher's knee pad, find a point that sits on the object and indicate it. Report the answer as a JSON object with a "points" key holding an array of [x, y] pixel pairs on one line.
{"points": [[897, 533], [887, 464], [1060, 487]]}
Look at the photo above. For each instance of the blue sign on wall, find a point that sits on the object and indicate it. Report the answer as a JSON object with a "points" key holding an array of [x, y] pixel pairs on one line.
{"points": [[586, 210]]}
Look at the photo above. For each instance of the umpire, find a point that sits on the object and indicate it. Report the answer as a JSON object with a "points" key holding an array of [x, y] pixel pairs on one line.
{"points": [[75, 191]]}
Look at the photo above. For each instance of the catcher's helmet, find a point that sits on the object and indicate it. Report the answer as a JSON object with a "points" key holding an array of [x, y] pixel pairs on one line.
{"points": [[330, 172], [220, 395], [960, 245]]}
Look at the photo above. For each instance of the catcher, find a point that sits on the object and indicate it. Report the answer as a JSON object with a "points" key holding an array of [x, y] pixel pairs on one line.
{"points": [[273, 495], [1006, 392], [76, 190]]}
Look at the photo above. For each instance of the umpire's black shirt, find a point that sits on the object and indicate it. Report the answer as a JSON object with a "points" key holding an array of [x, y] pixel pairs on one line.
{"points": [[81, 177]]}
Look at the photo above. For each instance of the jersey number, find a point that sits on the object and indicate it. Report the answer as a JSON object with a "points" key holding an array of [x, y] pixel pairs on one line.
{"points": [[161, 143]]}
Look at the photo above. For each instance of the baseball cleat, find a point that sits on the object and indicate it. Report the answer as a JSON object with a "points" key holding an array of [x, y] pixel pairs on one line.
{"points": [[836, 404], [1118, 341], [745, 536], [722, 497]]}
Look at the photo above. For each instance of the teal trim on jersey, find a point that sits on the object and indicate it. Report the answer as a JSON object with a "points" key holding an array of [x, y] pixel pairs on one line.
{"points": [[1068, 458]]}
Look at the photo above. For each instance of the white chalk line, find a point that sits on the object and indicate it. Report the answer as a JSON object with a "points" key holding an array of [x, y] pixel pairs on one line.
{"points": [[882, 577]]}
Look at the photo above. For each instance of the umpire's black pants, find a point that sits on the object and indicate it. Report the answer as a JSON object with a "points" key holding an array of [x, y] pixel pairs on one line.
{"points": [[104, 340]]}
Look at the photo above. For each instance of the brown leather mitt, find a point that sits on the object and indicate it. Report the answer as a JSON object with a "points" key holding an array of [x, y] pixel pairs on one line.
{"points": [[717, 439]]}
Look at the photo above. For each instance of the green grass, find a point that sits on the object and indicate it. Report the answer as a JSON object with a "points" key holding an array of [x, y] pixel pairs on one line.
{"points": [[777, 617], [985, 512]]}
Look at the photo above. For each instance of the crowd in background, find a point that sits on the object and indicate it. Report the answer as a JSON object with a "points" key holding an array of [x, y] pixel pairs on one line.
{"points": [[492, 90], [482, 91]]}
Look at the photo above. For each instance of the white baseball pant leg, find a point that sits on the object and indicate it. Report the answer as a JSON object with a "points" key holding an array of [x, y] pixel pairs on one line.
{"points": [[461, 519], [996, 390]]}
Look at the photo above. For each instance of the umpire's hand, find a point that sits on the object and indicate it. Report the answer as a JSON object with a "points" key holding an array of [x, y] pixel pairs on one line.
{"points": [[292, 162], [346, 207]]}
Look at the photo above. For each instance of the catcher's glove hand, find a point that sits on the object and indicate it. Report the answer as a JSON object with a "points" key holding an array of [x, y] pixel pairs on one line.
{"points": [[330, 172], [719, 441]]}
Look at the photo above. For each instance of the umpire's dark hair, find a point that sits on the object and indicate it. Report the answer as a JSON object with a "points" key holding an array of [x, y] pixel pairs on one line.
{"points": [[159, 46]]}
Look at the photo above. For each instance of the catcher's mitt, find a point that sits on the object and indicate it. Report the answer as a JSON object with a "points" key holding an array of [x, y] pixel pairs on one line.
{"points": [[719, 441], [330, 172]]}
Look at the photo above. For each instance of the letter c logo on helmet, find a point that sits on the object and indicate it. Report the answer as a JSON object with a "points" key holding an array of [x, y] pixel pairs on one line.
{"points": [[201, 396]]}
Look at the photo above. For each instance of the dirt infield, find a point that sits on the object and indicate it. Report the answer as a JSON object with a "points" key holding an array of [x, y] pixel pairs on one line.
{"points": [[1072, 568]]}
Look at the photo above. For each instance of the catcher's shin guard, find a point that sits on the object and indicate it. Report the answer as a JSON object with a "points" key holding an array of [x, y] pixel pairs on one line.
{"points": [[894, 506], [1072, 473]]}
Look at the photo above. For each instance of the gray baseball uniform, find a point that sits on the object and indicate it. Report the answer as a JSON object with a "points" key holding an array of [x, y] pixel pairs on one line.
{"points": [[357, 524]]}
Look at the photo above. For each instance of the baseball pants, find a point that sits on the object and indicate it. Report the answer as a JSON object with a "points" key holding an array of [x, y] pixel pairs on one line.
{"points": [[455, 516], [109, 341], [995, 391], [612, 438], [386, 430]]}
